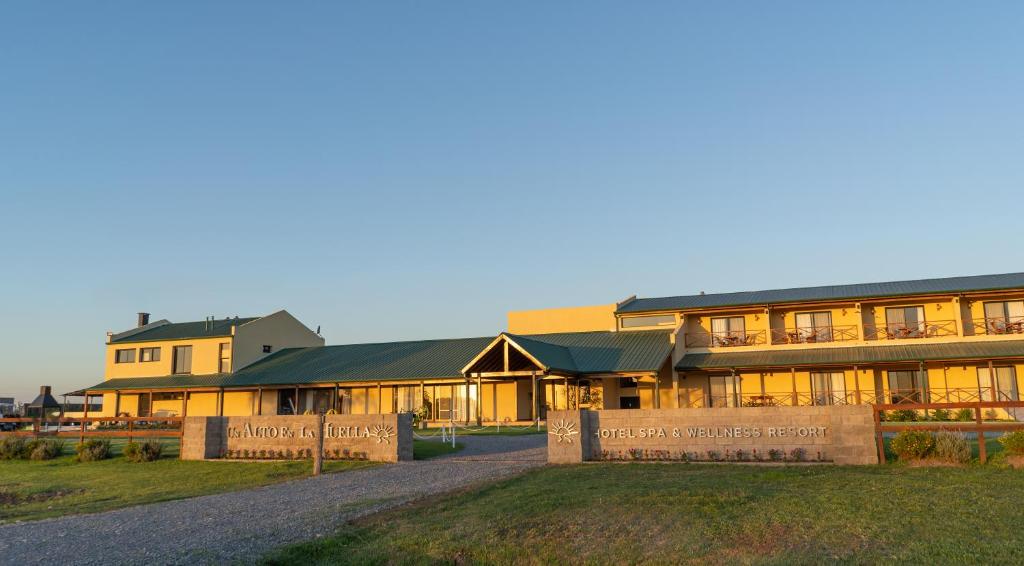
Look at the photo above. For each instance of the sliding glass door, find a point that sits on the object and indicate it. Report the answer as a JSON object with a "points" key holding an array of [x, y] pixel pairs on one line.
{"points": [[829, 388], [814, 326]]}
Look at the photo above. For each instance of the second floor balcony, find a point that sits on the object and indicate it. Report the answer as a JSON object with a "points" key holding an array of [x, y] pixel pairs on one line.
{"points": [[905, 331], [814, 335], [996, 325], [726, 339]]}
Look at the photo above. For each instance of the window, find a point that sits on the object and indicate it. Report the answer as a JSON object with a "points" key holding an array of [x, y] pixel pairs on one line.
{"points": [[829, 388], [267, 348], [149, 355], [224, 365], [182, 359], [814, 326], [124, 356], [904, 387], [652, 320], [904, 322], [728, 330], [627, 383], [1002, 388], [725, 391], [1004, 317], [405, 399]]}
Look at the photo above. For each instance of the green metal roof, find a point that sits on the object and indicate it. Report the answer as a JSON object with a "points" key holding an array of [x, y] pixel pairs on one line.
{"points": [[576, 352], [184, 330], [979, 350], [829, 293], [598, 352]]}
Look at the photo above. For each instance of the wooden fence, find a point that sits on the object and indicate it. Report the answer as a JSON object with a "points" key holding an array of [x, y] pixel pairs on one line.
{"points": [[96, 427], [977, 426]]}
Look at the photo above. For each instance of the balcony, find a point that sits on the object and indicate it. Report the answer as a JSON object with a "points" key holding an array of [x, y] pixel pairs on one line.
{"points": [[814, 335], [898, 331], [996, 326], [849, 397], [728, 339]]}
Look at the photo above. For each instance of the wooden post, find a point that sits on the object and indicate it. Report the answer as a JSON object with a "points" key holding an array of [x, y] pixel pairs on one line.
{"points": [[184, 405], [735, 389], [657, 392], [220, 402], [763, 394], [334, 401], [534, 409], [296, 410], [150, 404], [259, 401], [992, 381], [565, 392], [380, 398], [982, 451], [422, 392], [856, 384], [675, 389], [479, 400], [86, 408], [467, 401], [131, 424], [879, 439], [318, 452], [117, 404], [792, 376]]}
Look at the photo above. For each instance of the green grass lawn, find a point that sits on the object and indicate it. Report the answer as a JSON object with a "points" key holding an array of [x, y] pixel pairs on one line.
{"points": [[36, 490], [426, 449], [678, 513], [474, 430]]}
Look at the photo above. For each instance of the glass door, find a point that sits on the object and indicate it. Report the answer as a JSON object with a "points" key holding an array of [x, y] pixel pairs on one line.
{"points": [[814, 326], [1001, 387], [903, 387], [829, 388], [724, 391]]}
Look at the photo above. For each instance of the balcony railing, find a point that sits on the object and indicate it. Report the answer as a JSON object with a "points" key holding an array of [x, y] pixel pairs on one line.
{"points": [[726, 339], [930, 329], [813, 335], [849, 397], [1000, 325]]}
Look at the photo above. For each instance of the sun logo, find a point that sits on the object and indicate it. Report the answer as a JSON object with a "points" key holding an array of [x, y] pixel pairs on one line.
{"points": [[564, 431], [383, 433]]}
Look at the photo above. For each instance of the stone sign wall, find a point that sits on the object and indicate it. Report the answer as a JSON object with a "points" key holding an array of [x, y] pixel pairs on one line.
{"points": [[838, 434], [384, 438]]}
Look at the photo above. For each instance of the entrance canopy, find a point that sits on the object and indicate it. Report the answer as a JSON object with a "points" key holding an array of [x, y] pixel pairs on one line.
{"points": [[571, 354]]}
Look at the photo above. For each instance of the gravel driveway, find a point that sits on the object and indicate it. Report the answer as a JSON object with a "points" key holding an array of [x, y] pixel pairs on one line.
{"points": [[244, 525]]}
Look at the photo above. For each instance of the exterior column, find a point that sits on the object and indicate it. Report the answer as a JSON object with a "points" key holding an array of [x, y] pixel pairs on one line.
{"points": [[479, 396], [259, 401], [380, 398], [992, 379], [735, 389], [923, 386], [117, 403], [856, 384], [467, 401], [792, 377], [297, 400], [334, 400], [534, 409], [150, 403], [184, 403], [657, 392], [85, 415], [565, 386], [675, 389], [220, 402], [958, 315], [420, 404]]}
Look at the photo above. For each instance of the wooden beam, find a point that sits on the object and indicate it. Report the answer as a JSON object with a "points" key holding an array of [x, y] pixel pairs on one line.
{"points": [[259, 401], [534, 409], [220, 403], [856, 384], [380, 401], [479, 400], [675, 389], [507, 367], [467, 401], [657, 391], [792, 377], [184, 403]]}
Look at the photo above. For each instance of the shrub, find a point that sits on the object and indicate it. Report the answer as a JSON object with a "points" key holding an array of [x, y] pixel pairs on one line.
{"points": [[941, 415], [964, 414], [144, 452], [12, 448], [902, 415], [798, 454], [775, 455], [913, 444], [991, 415], [1013, 442], [93, 450], [44, 449], [952, 447]]}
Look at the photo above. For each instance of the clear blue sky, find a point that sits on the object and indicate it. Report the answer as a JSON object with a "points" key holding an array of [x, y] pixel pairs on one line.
{"points": [[413, 170]]}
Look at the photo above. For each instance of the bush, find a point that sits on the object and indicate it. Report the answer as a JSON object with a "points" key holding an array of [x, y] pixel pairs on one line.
{"points": [[913, 444], [902, 415], [964, 414], [1013, 442], [44, 449], [12, 448], [941, 415], [93, 450], [145, 452], [952, 447]]}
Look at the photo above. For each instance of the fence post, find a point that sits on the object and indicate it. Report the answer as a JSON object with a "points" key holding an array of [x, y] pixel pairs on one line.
{"points": [[81, 434], [982, 452], [318, 453], [131, 423]]}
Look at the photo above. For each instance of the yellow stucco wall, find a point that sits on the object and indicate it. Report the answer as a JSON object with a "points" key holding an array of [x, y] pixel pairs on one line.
{"points": [[205, 358], [570, 319]]}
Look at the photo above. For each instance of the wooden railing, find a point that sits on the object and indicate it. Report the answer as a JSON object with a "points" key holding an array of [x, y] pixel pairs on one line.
{"points": [[894, 397], [930, 329], [978, 426], [726, 339], [996, 326], [91, 427], [809, 335]]}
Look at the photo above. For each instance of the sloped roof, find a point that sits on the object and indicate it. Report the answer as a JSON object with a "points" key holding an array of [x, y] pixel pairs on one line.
{"points": [[598, 352], [184, 330], [829, 293], [979, 350]]}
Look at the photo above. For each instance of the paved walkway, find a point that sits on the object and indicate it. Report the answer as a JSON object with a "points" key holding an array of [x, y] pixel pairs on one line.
{"points": [[244, 525]]}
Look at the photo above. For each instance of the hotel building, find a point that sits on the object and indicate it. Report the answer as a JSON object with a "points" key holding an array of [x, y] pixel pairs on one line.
{"points": [[934, 340]]}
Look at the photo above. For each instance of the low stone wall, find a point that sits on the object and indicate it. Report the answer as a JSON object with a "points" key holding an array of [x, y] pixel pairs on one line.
{"points": [[838, 434], [383, 438]]}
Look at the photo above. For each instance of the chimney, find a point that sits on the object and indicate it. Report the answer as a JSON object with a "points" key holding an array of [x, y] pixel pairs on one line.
{"points": [[143, 319], [44, 390]]}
